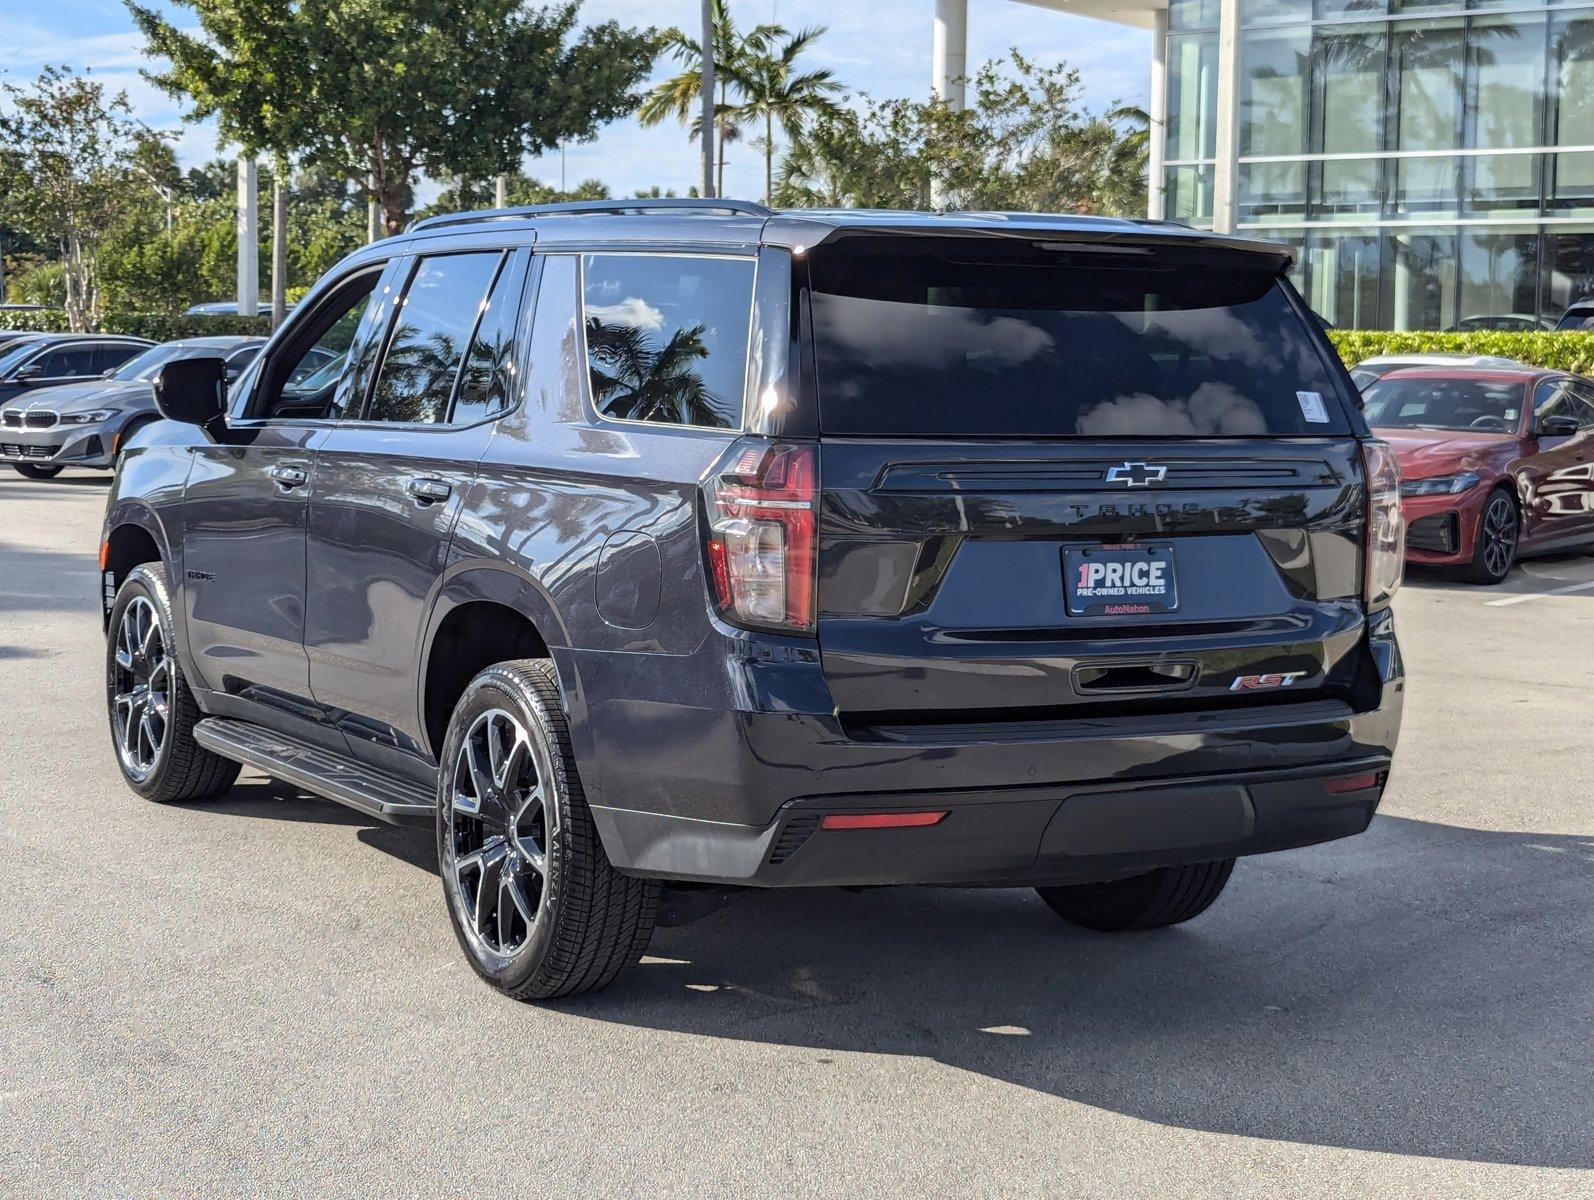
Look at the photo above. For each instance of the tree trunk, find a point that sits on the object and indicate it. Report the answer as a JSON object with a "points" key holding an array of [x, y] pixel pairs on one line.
{"points": [[706, 87], [279, 246], [769, 159]]}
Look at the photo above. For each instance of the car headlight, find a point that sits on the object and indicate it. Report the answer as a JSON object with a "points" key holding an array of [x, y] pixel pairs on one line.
{"points": [[89, 418], [1439, 485]]}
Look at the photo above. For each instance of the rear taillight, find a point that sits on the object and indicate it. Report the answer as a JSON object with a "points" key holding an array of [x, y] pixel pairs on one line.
{"points": [[761, 500], [1386, 527]]}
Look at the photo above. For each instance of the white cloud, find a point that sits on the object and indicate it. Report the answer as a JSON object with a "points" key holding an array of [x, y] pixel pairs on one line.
{"points": [[633, 312]]}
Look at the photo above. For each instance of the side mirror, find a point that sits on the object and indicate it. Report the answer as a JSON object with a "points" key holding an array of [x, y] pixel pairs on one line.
{"points": [[1558, 427], [106, 374], [30, 372], [191, 390]]}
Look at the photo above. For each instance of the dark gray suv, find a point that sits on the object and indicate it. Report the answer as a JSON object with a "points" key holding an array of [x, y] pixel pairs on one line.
{"points": [[655, 550]]}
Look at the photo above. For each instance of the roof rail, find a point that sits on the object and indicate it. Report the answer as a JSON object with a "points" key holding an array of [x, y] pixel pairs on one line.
{"points": [[683, 207]]}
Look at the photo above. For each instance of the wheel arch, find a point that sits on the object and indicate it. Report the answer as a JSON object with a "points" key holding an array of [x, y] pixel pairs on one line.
{"points": [[484, 615], [133, 537]]}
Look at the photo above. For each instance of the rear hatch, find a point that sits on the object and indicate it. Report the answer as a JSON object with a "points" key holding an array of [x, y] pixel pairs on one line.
{"points": [[1065, 481]]}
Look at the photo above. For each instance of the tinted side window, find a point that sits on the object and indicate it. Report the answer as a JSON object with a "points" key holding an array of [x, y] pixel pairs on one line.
{"points": [[67, 362], [429, 337], [108, 358], [489, 364], [239, 359], [308, 377], [666, 337], [1583, 404]]}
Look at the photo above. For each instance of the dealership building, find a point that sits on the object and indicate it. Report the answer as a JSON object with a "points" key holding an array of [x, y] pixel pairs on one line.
{"points": [[1429, 160]]}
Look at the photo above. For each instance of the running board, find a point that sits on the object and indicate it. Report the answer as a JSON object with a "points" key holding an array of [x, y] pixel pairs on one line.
{"points": [[334, 776]]}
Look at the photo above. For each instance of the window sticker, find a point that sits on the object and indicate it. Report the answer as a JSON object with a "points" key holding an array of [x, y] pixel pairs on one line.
{"points": [[1312, 407]]}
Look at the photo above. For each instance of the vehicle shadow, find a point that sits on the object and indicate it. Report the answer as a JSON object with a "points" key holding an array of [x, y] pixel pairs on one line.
{"points": [[1420, 990], [1531, 575], [274, 800], [40, 489]]}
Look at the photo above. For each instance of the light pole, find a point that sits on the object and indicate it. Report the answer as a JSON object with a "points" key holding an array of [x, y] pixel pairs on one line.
{"points": [[248, 239]]}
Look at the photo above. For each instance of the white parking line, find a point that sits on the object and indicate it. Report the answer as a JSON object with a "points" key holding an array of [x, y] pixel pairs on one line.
{"points": [[1560, 591]]}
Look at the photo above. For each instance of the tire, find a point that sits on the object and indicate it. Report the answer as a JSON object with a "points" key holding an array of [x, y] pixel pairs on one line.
{"points": [[536, 906], [152, 712], [1156, 899], [30, 471], [1494, 546]]}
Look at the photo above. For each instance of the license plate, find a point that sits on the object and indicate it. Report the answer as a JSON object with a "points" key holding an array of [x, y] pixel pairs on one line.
{"points": [[1119, 581]]}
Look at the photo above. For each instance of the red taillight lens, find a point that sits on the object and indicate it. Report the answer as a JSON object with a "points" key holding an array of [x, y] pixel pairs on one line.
{"points": [[1386, 528], [761, 503]]}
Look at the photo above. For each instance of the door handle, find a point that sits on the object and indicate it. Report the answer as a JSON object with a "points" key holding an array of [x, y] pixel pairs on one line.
{"points": [[288, 477], [428, 490]]}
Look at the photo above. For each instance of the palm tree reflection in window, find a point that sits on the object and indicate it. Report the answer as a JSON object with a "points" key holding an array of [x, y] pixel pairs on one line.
{"points": [[636, 379], [417, 377]]}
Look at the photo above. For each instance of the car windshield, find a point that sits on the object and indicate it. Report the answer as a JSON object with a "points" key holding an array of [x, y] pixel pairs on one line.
{"points": [[955, 339], [1488, 406], [143, 367], [308, 378], [13, 356]]}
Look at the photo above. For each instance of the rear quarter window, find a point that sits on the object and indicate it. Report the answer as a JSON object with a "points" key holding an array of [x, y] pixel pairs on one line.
{"points": [[666, 336], [951, 340]]}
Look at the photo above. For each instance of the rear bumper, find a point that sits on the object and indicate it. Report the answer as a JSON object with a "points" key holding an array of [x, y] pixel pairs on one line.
{"points": [[1018, 837], [735, 792]]}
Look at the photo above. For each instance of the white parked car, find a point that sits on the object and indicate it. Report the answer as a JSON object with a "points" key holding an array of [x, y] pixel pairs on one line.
{"points": [[1371, 370]]}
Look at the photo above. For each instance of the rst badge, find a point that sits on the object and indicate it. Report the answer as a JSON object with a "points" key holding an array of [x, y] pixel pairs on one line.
{"points": [[1263, 683]]}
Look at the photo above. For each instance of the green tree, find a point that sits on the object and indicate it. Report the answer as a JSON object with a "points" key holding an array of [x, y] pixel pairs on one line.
{"points": [[67, 152], [523, 189], [377, 91], [1024, 142], [774, 92], [679, 97]]}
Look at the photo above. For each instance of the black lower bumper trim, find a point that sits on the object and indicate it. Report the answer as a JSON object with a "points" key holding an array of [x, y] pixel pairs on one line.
{"points": [[1010, 837]]}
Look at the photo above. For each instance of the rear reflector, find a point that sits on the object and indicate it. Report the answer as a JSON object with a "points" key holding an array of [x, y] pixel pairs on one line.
{"points": [[888, 820], [1353, 783]]}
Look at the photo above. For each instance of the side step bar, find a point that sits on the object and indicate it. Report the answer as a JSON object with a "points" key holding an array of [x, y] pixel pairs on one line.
{"points": [[368, 789]]}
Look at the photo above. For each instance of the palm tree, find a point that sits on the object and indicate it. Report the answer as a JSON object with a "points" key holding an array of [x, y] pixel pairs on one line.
{"points": [[679, 96], [774, 92]]}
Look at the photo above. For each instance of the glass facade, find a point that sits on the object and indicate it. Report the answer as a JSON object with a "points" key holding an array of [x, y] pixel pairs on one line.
{"points": [[1430, 160]]}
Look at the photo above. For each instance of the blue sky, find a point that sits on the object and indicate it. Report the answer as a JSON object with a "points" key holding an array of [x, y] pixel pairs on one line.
{"points": [[877, 46]]}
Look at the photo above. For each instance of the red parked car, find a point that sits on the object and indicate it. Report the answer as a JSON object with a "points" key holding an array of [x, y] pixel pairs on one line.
{"points": [[1494, 463]]}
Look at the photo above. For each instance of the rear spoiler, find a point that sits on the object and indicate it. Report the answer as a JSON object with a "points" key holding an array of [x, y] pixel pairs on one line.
{"points": [[800, 234]]}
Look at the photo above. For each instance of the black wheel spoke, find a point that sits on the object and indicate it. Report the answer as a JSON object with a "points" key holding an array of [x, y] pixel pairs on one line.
{"points": [[496, 827], [141, 687]]}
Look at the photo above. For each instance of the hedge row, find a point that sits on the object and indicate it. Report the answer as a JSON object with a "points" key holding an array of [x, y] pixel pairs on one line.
{"points": [[157, 327], [1557, 351], [1560, 351]]}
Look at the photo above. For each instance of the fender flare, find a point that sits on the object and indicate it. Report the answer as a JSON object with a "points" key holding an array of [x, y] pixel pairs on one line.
{"points": [[495, 582]]}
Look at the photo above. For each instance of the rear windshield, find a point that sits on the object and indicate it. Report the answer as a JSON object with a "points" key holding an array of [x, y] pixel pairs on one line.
{"points": [[948, 340]]}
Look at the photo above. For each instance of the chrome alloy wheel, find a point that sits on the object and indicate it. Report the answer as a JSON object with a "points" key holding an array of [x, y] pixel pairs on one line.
{"points": [[1499, 533], [496, 844], [141, 689]]}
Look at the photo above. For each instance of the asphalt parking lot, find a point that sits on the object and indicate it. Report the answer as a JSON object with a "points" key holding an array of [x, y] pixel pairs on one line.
{"points": [[262, 995]]}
